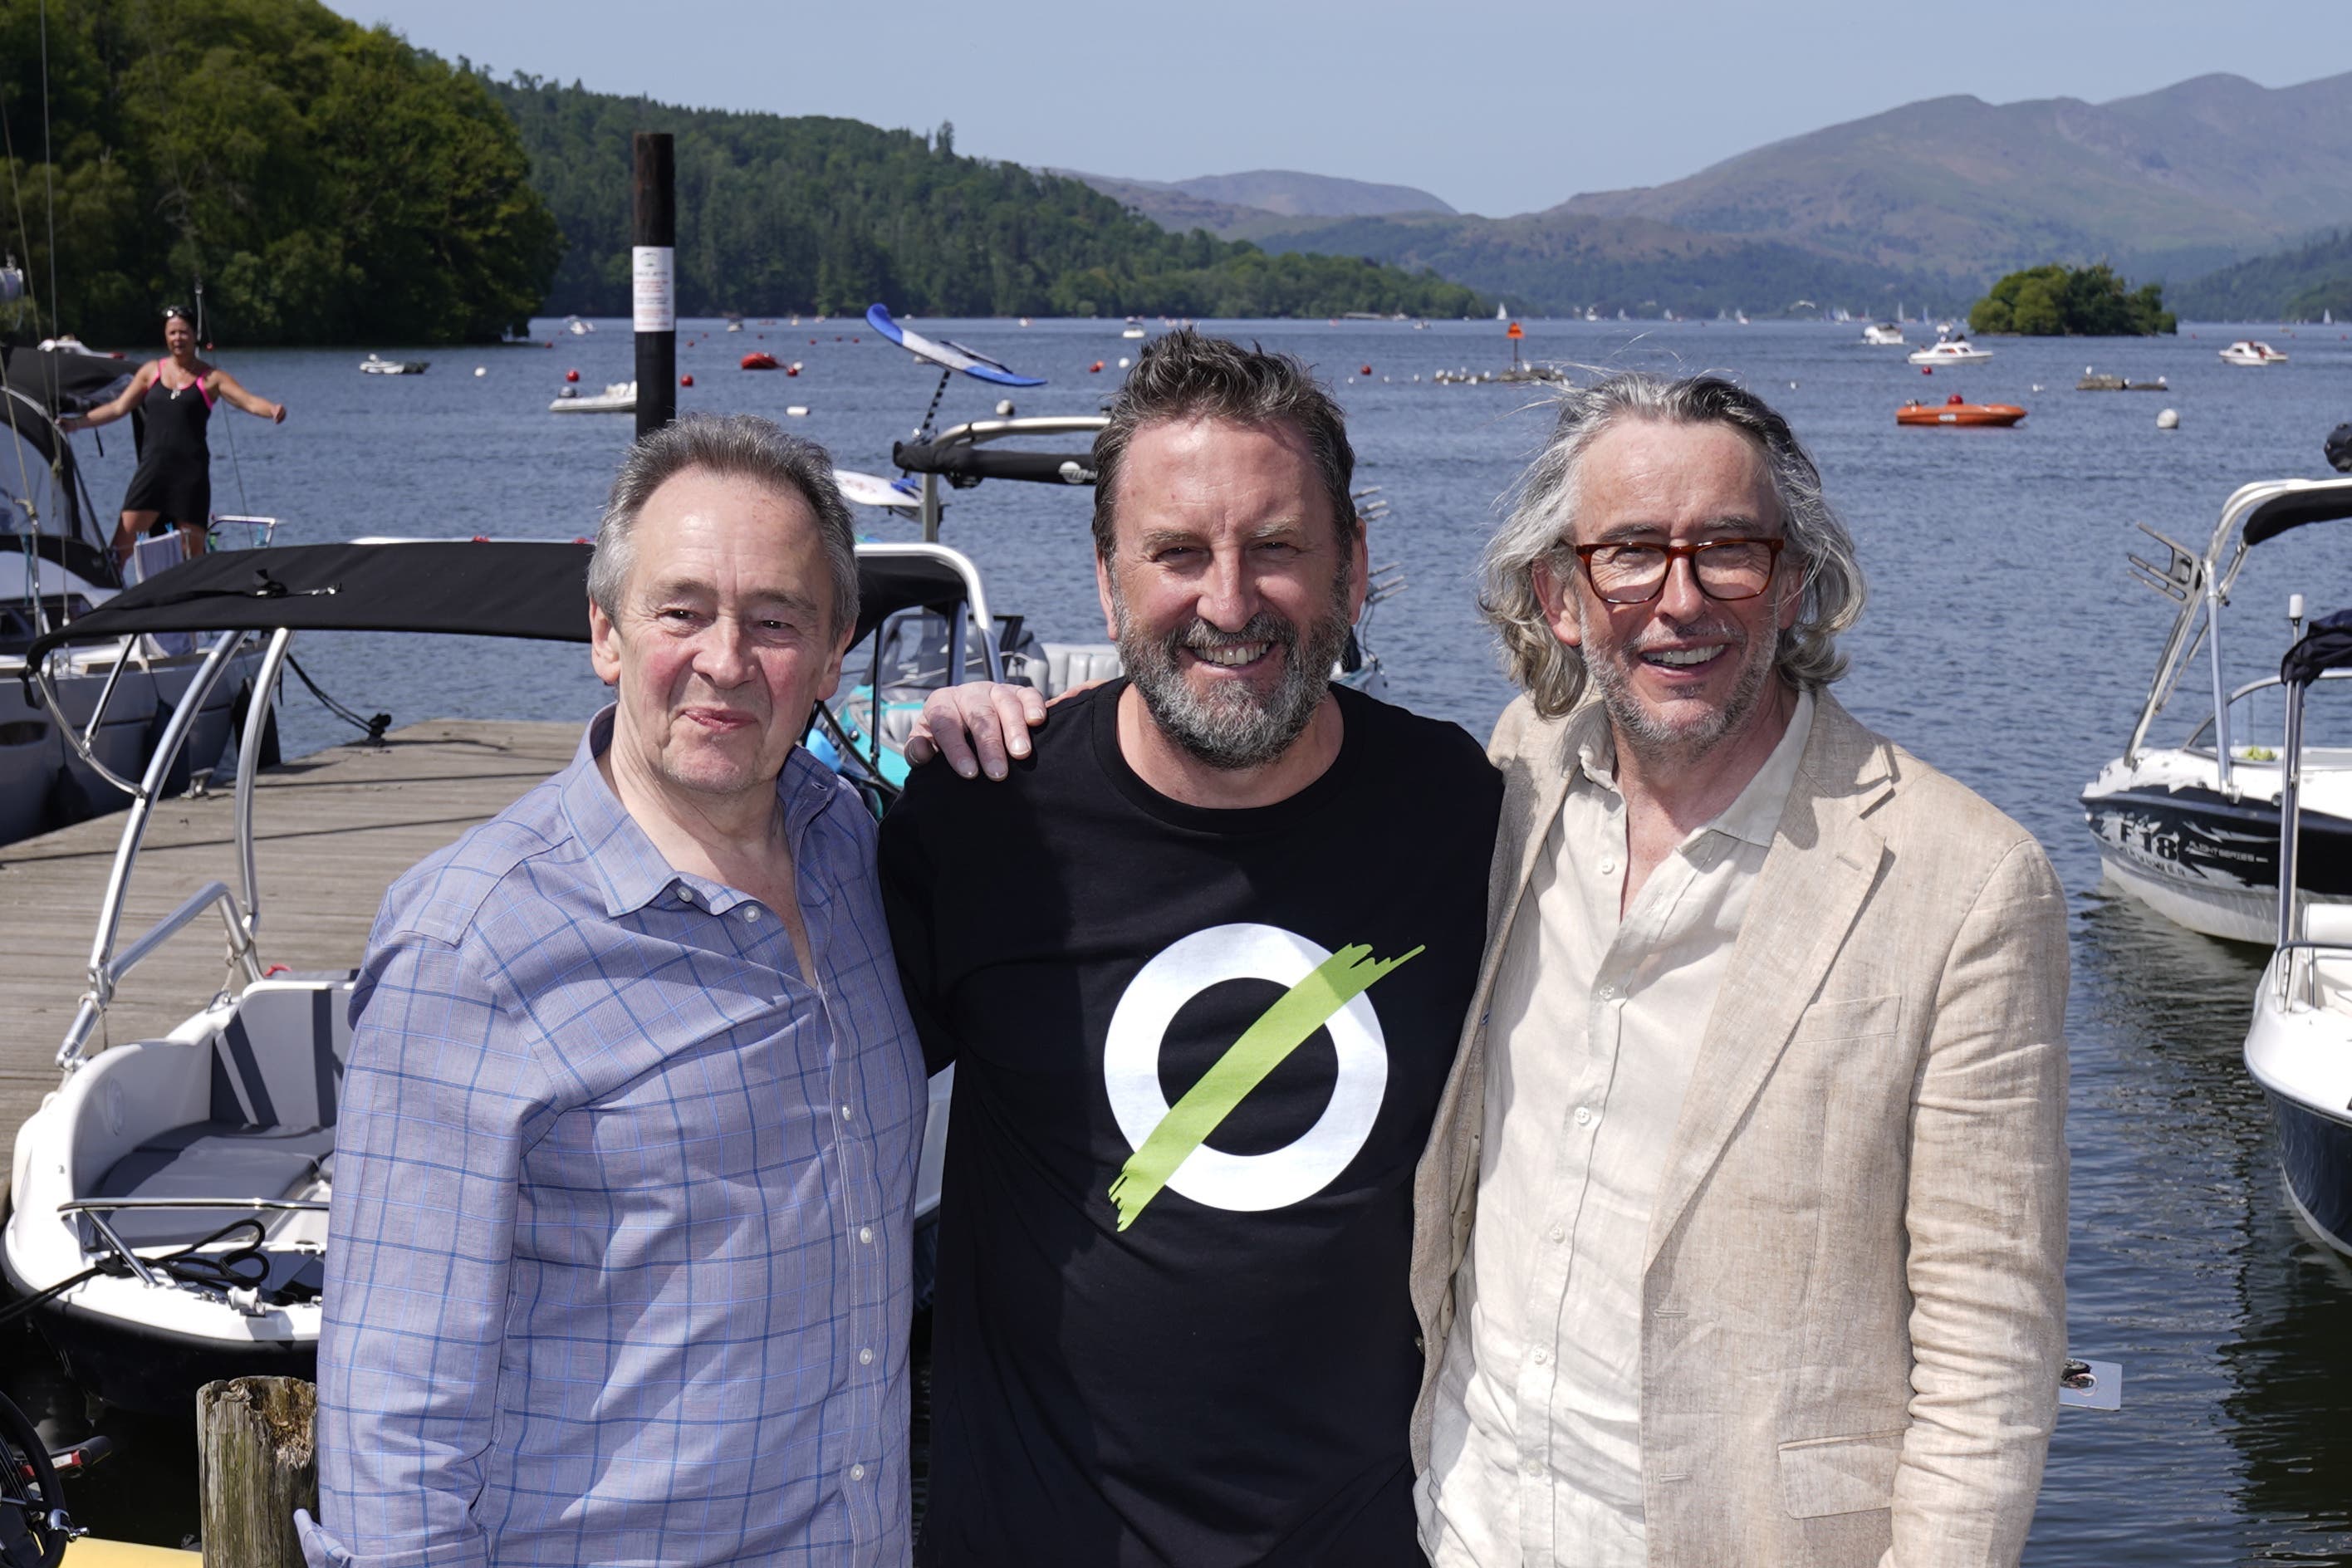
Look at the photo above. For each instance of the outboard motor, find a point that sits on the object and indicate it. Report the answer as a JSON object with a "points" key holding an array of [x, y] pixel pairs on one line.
{"points": [[2339, 447]]}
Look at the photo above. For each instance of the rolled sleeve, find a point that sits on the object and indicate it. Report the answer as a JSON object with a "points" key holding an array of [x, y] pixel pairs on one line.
{"points": [[442, 1081], [1987, 1217]]}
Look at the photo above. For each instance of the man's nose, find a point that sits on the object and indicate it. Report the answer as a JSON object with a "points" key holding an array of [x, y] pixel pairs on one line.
{"points": [[1229, 596], [722, 653], [1681, 598]]}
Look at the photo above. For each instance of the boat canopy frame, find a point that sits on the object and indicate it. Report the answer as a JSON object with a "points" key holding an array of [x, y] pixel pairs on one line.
{"points": [[957, 455], [530, 589], [2200, 584]]}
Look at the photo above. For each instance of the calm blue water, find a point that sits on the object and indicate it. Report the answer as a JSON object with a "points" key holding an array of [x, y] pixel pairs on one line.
{"points": [[2003, 643]]}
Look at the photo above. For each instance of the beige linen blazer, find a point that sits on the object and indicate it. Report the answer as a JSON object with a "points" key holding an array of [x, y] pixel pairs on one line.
{"points": [[1854, 1292]]}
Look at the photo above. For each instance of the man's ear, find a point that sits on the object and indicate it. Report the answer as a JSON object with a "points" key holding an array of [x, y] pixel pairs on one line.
{"points": [[604, 645], [1108, 595], [1556, 589]]}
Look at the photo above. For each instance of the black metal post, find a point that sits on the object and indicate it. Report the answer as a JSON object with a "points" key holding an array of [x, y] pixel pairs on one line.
{"points": [[652, 267]]}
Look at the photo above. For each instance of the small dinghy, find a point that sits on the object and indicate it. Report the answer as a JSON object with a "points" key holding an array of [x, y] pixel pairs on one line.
{"points": [[1954, 410], [371, 365], [618, 397]]}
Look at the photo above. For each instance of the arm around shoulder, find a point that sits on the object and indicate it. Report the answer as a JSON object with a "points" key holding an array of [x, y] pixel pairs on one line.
{"points": [[1986, 1210]]}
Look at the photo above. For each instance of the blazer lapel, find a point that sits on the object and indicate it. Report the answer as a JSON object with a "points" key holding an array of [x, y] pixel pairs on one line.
{"points": [[1823, 862]]}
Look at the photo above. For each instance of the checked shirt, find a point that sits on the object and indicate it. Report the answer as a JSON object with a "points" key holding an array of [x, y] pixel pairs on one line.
{"points": [[620, 1259]]}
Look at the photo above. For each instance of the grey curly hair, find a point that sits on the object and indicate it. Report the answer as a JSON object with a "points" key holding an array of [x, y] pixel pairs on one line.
{"points": [[1542, 525]]}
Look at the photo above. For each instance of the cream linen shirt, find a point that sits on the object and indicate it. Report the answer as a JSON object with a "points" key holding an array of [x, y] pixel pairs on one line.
{"points": [[1537, 1450]]}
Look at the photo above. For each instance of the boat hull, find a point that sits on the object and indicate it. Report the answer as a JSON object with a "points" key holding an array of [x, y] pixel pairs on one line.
{"points": [[2316, 1157], [1935, 413], [2209, 863], [137, 1366], [2299, 1050]]}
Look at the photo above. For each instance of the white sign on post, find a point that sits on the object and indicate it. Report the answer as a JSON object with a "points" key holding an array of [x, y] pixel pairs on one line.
{"points": [[653, 275]]}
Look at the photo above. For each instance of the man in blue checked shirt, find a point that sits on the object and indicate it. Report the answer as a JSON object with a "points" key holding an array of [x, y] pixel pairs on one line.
{"points": [[620, 1267]]}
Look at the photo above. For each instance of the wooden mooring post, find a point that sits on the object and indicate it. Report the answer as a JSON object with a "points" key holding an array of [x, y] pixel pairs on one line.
{"points": [[652, 277], [257, 1462]]}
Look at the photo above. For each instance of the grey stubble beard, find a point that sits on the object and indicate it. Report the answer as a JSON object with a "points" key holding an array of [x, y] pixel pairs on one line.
{"points": [[1239, 729]]}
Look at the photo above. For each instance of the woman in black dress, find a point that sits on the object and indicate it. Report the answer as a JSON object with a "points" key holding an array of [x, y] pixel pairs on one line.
{"points": [[174, 481]]}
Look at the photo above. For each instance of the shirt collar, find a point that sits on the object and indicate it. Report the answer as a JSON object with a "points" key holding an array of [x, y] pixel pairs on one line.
{"points": [[631, 870], [1753, 817]]}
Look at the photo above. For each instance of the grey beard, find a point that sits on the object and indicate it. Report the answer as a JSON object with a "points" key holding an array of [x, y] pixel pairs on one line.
{"points": [[1235, 728], [1642, 729]]}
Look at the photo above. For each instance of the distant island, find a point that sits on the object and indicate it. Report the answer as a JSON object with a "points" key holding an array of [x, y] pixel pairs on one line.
{"points": [[2056, 302]]}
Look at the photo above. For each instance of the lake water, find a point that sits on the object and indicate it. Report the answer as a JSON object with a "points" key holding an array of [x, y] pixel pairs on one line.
{"points": [[2003, 642]]}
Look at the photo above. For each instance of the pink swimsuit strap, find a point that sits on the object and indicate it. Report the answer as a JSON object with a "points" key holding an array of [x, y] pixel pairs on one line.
{"points": [[203, 391]]}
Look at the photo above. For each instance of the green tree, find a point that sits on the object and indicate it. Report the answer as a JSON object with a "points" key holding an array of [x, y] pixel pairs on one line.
{"points": [[2055, 300], [325, 182]]}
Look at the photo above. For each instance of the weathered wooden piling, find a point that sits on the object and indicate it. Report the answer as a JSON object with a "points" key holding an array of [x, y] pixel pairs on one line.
{"points": [[257, 1462], [652, 268]]}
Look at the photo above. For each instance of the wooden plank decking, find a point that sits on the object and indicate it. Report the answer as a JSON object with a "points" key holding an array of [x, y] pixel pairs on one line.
{"points": [[331, 831]]}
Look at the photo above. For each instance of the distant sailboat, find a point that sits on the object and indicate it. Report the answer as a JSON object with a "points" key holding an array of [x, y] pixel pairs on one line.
{"points": [[1501, 314]]}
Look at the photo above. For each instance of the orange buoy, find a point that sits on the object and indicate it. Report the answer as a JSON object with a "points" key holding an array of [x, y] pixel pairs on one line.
{"points": [[572, 375], [686, 380]]}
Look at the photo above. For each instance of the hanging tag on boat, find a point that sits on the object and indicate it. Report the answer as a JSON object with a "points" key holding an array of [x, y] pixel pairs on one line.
{"points": [[2090, 1384]]}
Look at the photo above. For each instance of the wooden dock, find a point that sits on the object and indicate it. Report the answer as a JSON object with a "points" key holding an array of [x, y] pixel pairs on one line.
{"points": [[331, 832]]}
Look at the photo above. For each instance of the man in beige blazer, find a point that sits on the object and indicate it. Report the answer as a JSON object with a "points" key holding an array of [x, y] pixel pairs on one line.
{"points": [[1741, 1235]]}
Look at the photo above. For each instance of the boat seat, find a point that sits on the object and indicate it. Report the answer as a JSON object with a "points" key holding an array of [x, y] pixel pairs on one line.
{"points": [[1068, 664], [269, 1128], [211, 1160]]}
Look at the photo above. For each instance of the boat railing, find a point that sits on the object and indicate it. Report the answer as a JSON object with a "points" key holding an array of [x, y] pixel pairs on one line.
{"points": [[2243, 749]]}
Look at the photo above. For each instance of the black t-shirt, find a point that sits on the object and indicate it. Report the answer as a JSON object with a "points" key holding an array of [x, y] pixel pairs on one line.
{"points": [[1185, 1336]]}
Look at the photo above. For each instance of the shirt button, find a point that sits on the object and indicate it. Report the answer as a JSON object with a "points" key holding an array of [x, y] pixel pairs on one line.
{"points": [[1534, 1467], [866, 1233], [865, 1358], [686, 895], [845, 1113], [1558, 1234], [856, 1472], [1584, 1116], [750, 913], [1542, 1357], [1608, 867], [1607, 993]]}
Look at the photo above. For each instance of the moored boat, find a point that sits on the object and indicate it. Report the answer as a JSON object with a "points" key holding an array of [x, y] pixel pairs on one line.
{"points": [[1883, 334], [1950, 350], [2247, 351], [2192, 828], [1954, 410], [618, 397]]}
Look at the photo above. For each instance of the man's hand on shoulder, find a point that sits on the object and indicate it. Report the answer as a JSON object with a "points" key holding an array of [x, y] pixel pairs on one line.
{"points": [[977, 725]]}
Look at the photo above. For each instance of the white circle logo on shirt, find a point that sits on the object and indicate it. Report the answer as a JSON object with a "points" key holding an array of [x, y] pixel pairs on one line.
{"points": [[1279, 1177]]}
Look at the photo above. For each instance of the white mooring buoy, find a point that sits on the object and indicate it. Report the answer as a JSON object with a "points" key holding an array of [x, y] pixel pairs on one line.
{"points": [[2169, 420]]}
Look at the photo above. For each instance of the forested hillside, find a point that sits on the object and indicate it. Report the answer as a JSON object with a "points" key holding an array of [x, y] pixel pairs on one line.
{"points": [[326, 182], [807, 213], [2294, 285]]}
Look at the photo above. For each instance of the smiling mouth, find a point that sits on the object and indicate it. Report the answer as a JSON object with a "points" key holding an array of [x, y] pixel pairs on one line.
{"points": [[1682, 658], [1232, 656]]}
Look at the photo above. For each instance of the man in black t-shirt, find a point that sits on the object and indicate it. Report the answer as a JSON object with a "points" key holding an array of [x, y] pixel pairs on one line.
{"points": [[1202, 963]]}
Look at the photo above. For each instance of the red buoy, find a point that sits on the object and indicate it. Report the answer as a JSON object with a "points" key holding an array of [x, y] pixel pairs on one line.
{"points": [[793, 368], [1366, 371], [686, 381], [572, 375], [1927, 370], [1095, 368]]}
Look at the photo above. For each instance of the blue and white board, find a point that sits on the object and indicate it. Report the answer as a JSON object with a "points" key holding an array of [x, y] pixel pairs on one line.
{"points": [[945, 354], [869, 489]]}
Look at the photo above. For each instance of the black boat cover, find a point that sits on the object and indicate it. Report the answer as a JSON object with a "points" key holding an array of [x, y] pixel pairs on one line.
{"points": [[965, 465], [63, 383], [2325, 502], [500, 588], [2326, 644]]}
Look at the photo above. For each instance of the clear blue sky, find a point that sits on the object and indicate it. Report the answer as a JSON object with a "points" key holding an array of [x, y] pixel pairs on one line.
{"points": [[1496, 105]]}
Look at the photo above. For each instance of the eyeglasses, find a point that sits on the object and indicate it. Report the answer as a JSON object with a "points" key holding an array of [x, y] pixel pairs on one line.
{"points": [[1637, 574]]}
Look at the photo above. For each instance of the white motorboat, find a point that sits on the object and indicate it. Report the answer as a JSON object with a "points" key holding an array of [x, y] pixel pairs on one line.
{"points": [[372, 366], [618, 397], [2193, 828], [171, 1197], [1134, 328], [1883, 334], [2299, 1044], [578, 328], [1950, 350], [2246, 351]]}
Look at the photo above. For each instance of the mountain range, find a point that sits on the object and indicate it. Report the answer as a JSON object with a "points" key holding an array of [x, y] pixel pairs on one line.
{"points": [[1924, 203]]}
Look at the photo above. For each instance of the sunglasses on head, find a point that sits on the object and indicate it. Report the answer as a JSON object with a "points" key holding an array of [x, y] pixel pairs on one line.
{"points": [[178, 314]]}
